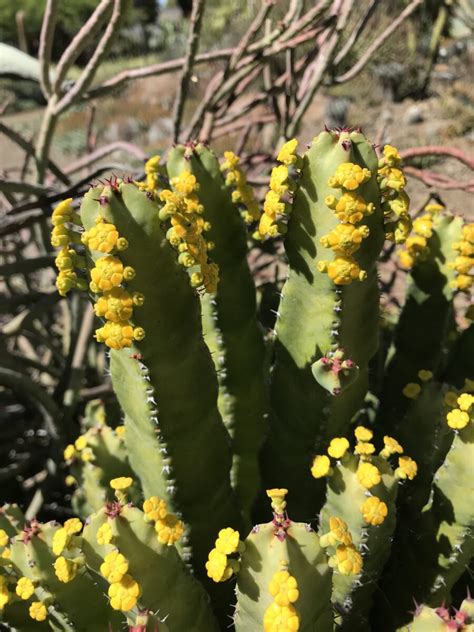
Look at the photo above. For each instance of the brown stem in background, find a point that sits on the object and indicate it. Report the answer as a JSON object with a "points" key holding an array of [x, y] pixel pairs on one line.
{"points": [[192, 45], [46, 44], [437, 150]]}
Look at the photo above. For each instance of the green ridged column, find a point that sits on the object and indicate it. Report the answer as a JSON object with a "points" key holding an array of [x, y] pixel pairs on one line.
{"points": [[316, 316]]}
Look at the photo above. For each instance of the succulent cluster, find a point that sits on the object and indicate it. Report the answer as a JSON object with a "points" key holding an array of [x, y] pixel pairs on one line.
{"points": [[219, 417]]}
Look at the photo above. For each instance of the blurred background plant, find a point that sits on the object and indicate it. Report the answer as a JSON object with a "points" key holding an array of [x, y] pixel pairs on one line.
{"points": [[89, 89]]}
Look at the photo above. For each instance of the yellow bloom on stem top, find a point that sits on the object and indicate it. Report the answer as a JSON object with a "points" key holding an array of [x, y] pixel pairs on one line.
{"points": [[104, 238], [227, 541], [374, 511], [121, 483], [407, 468], [338, 447], [347, 560], [391, 447], [321, 466], [277, 497], [364, 448], [363, 434], [73, 525], [61, 540], [465, 401], [287, 154], [457, 419], [218, 567]]}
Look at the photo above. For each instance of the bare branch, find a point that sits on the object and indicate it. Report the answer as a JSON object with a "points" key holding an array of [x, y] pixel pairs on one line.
{"points": [[98, 154], [377, 43], [356, 33], [80, 41], [437, 150], [46, 44], [192, 45], [438, 180], [100, 52]]}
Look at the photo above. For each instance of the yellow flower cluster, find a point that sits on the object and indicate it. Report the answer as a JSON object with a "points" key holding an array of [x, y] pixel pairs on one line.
{"points": [[374, 510], [345, 239], [152, 176], [65, 537], [416, 245], [281, 183], [461, 415], [4, 539], [278, 501], [63, 237], [281, 615], [169, 528], [123, 590], [183, 209], [219, 565], [79, 449], [243, 193], [464, 262], [38, 611], [395, 201], [65, 569], [346, 559], [114, 303], [104, 534]]}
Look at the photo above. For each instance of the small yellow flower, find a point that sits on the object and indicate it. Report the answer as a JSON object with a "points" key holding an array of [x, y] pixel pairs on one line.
{"points": [[120, 430], [364, 448], [65, 570], [363, 434], [228, 541], [115, 305], [283, 588], [425, 375], [278, 499], [70, 480], [374, 510], [348, 560], [104, 534], [24, 588], [61, 539], [169, 529], [391, 155], [217, 567], [3, 538], [69, 452], [80, 443], [116, 335], [391, 447], [465, 401], [121, 483], [280, 619], [124, 593], [411, 390], [38, 611], [338, 447], [407, 468], [287, 154], [349, 176], [155, 509], [457, 419], [368, 475], [114, 567], [342, 270], [73, 525], [321, 466], [337, 534]]}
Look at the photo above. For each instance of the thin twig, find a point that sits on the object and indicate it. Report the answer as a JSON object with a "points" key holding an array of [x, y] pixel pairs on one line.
{"points": [[438, 180], [356, 33], [192, 46], [101, 152], [93, 64], [80, 41], [46, 45], [437, 150], [28, 147], [377, 43]]}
